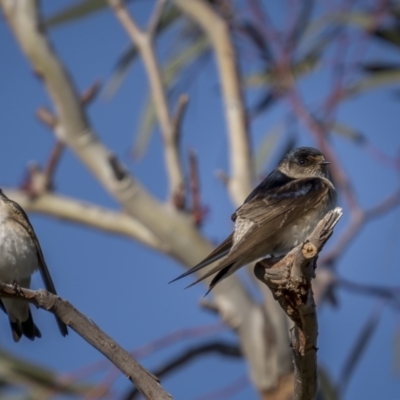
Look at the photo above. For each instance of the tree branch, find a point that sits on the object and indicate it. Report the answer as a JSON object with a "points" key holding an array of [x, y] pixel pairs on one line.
{"points": [[144, 43], [87, 214], [217, 30], [358, 218], [290, 282], [147, 383], [188, 355]]}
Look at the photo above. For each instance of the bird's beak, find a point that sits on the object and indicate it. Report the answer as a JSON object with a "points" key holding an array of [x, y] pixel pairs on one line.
{"points": [[324, 162]]}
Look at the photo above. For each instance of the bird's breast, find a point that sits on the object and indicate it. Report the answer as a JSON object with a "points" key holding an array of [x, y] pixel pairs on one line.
{"points": [[18, 257]]}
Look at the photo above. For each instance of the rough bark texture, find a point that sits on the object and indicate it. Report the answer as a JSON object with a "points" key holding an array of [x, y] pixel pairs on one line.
{"points": [[289, 279]]}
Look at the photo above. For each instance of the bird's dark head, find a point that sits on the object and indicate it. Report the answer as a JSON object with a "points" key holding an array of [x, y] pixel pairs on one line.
{"points": [[304, 162]]}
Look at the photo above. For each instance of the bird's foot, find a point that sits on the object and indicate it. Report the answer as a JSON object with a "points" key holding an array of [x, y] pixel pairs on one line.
{"points": [[17, 288]]}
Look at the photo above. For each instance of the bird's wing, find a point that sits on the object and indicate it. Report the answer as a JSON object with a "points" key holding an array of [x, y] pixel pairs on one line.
{"points": [[221, 251], [271, 212], [44, 271]]}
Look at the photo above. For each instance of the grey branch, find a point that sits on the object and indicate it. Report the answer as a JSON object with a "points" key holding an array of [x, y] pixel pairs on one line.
{"points": [[146, 382], [88, 214], [289, 279]]}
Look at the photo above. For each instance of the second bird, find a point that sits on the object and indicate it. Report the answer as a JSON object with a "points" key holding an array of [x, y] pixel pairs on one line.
{"points": [[20, 257], [279, 214]]}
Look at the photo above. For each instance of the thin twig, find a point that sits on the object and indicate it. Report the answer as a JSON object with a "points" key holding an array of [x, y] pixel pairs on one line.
{"points": [[383, 292], [183, 100], [147, 383], [46, 117], [358, 218], [228, 391], [90, 93], [197, 210], [53, 161]]}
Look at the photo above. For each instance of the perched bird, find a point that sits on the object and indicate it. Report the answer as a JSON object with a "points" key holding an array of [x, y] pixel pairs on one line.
{"points": [[20, 257], [278, 215]]}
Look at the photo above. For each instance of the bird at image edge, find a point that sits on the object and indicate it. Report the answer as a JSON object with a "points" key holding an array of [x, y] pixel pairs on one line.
{"points": [[279, 214], [20, 256]]}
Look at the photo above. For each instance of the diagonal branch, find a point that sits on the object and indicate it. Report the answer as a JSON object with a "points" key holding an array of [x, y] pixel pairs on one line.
{"points": [[88, 214], [146, 382], [358, 219], [188, 355], [290, 282], [144, 43]]}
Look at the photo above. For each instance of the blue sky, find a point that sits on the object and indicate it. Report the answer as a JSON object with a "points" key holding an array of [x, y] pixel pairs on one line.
{"points": [[123, 286]]}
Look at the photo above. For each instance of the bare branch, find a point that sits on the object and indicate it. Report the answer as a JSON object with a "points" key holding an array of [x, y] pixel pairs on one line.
{"points": [[90, 93], [144, 43], [46, 117], [380, 291], [290, 282], [358, 218], [217, 30], [87, 214], [228, 391], [197, 210], [147, 383], [178, 117], [155, 17], [52, 162], [190, 354]]}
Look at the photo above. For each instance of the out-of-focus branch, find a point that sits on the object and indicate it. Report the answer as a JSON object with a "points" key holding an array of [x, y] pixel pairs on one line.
{"points": [[87, 214], [40, 180], [290, 282], [317, 130], [147, 383], [228, 391], [357, 221], [144, 43], [379, 291], [217, 30], [197, 210], [148, 349], [189, 355]]}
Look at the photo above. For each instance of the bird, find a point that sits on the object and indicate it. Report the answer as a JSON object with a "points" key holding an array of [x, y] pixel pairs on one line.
{"points": [[279, 214], [20, 256]]}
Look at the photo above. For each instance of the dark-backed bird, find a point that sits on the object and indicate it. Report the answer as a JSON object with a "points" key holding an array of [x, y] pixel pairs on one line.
{"points": [[279, 214], [20, 257]]}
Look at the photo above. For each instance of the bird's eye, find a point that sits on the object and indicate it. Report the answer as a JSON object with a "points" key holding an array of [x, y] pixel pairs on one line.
{"points": [[302, 161]]}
